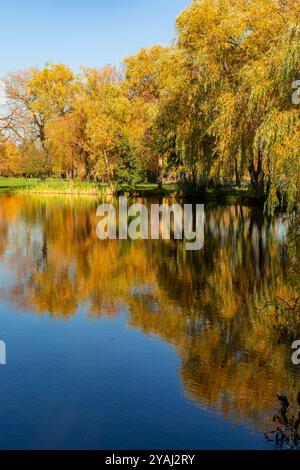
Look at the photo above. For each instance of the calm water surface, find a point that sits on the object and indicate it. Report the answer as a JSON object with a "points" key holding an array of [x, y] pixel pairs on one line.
{"points": [[132, 345]]}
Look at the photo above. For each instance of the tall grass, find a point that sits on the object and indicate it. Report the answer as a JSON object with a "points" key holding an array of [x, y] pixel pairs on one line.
{"points": [[53, 186]]}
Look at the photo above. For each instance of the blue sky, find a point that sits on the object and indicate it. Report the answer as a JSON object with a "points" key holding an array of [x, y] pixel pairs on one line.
{"points": [[82, 32]]}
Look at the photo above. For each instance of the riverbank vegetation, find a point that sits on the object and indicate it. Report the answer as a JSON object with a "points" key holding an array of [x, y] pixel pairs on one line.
{"points": [[48, 186], [218, 107]]}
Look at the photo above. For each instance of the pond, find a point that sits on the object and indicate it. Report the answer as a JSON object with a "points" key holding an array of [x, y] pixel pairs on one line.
{"points": [[142, 344]]}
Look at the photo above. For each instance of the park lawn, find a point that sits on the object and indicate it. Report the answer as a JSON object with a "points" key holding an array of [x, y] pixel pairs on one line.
{"points": [[50, 186], [7, 184]]}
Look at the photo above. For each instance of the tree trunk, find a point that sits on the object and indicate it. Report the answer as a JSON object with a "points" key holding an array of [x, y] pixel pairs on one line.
{"points": [[257, 175], [160, 172], [237, 173], [109, 173]]}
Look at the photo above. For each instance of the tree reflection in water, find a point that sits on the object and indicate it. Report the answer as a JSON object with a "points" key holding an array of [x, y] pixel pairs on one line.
{"points": [[287, 422], [217, 306]]}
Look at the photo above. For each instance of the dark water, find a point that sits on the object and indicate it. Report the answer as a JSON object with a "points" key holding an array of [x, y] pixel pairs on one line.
{"points": [[132, 345]]}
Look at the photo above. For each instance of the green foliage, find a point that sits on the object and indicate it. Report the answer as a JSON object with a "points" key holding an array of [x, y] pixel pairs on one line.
{"points": [[128, 166]]}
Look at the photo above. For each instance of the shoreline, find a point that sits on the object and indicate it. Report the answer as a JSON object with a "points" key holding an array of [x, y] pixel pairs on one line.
{"points": [[222, 195]]}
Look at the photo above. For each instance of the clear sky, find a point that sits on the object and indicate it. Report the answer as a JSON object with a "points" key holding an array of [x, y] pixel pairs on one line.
{"points": [[82, 32]]}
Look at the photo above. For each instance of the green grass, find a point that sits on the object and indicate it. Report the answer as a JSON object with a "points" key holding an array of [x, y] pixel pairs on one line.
{"points": [[16, 183], [148, 189], [55, 186]]}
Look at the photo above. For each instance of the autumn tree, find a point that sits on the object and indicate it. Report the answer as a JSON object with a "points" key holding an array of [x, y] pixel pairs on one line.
{"points": [[39, 96], [110, 125], [143, 81], [243, 59]]}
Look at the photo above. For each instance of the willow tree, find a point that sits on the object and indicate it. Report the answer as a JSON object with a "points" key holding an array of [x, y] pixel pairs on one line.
{"points": [[144, 86], [208, 36], [276, 142], [244, 58], [257, 121]]}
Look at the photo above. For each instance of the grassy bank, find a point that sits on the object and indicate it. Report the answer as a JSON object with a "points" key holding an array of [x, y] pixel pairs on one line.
{"points": [[148, 190], [7, 184], [233, 195], [52, 186], [224, 195]]}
